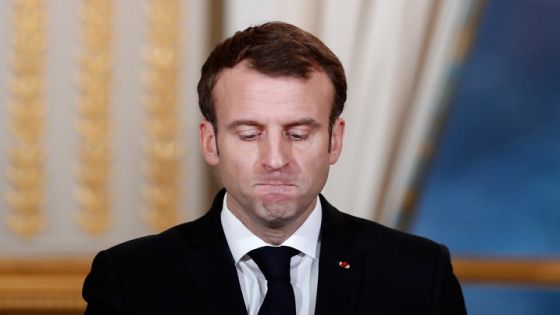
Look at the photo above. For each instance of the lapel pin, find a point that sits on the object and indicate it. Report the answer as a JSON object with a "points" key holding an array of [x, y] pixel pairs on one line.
{"points": [[344, 264]]}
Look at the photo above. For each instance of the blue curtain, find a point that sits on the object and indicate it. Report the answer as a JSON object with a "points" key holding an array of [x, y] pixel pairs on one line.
{"points": [[493, 188]]}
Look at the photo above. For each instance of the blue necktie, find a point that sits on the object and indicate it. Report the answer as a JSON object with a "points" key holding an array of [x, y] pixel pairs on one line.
{"points": [[274, 263]]}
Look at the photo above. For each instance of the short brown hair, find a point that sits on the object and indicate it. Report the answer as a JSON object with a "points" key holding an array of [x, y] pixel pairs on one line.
{"points": [[275, 49]]}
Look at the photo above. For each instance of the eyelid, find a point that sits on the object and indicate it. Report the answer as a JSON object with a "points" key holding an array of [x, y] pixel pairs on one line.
{"points": [[298, 133], [300, 129], [247, 132]]}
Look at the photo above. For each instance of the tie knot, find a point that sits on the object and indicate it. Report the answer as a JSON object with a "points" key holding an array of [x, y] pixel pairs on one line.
{"points": [[274, 262]]}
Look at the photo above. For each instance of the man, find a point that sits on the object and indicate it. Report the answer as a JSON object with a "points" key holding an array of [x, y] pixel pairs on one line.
{"points": [[271, 97]]}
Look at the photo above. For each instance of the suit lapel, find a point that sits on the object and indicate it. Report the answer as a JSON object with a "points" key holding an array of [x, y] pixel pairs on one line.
{"points": [[340, 267], [211, 267]]}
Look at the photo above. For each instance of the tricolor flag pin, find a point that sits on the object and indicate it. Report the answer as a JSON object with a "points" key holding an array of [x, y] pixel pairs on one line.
{"points": [[344, 264]]}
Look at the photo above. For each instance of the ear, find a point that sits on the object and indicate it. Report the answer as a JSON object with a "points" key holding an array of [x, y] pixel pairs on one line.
{"points": [[208, 143], [337, 135]]}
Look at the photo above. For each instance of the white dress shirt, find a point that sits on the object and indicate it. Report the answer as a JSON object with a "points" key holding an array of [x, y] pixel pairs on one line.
{"points": [[304, 267]]}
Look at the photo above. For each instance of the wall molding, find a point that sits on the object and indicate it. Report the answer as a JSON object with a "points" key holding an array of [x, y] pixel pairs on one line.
{"points": [[42, 285], [529, 271]]}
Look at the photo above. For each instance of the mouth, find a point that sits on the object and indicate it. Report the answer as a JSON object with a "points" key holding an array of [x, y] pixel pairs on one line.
{"points": [[275, 187], [274, 184]]}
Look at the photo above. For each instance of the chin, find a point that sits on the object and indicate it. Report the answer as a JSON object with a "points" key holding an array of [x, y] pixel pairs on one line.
{"points": [[277, 210], [277, 221]]}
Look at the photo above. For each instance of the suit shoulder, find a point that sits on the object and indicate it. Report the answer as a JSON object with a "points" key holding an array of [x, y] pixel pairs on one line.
{"points": [[373, 234], [166, 242]]}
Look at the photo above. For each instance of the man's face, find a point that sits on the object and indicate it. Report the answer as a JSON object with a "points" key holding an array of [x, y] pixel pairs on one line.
{"points": [[272, 148]]}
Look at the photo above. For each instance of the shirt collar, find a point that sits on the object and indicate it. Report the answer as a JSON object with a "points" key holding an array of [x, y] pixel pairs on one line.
{"points": [[241, 240]]}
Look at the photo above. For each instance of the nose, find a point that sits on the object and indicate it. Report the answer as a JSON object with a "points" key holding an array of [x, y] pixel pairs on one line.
{"points": [[275, 152]]}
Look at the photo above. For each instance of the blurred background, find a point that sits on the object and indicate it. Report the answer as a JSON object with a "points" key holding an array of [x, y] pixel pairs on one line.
{"points": [[453, 116]]}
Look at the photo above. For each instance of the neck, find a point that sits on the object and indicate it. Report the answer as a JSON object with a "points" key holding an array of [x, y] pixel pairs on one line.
{"points": [[272, 234], [276, 232]]}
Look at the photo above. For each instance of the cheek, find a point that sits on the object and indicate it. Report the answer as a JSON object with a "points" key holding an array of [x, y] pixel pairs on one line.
{"points": [[313, 162], [235, 162], [316, 150]]}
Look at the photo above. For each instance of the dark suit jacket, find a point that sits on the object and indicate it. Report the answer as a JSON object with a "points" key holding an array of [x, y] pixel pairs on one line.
{"points": [[189, 269]]}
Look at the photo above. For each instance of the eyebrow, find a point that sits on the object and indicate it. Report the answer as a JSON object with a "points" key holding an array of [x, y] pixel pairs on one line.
{"points": [[243, 122], [310, 122], [248, 122]]}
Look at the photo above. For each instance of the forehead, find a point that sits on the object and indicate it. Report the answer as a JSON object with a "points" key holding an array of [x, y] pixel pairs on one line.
{"points": [[243, 91]]}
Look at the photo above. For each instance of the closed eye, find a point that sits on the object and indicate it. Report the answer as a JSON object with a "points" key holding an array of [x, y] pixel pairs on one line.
{"points": [[298, 135], [248, 135]]}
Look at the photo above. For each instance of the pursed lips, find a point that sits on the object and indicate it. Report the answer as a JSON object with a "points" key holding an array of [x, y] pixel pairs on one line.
{"points": [[275, 186]]}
